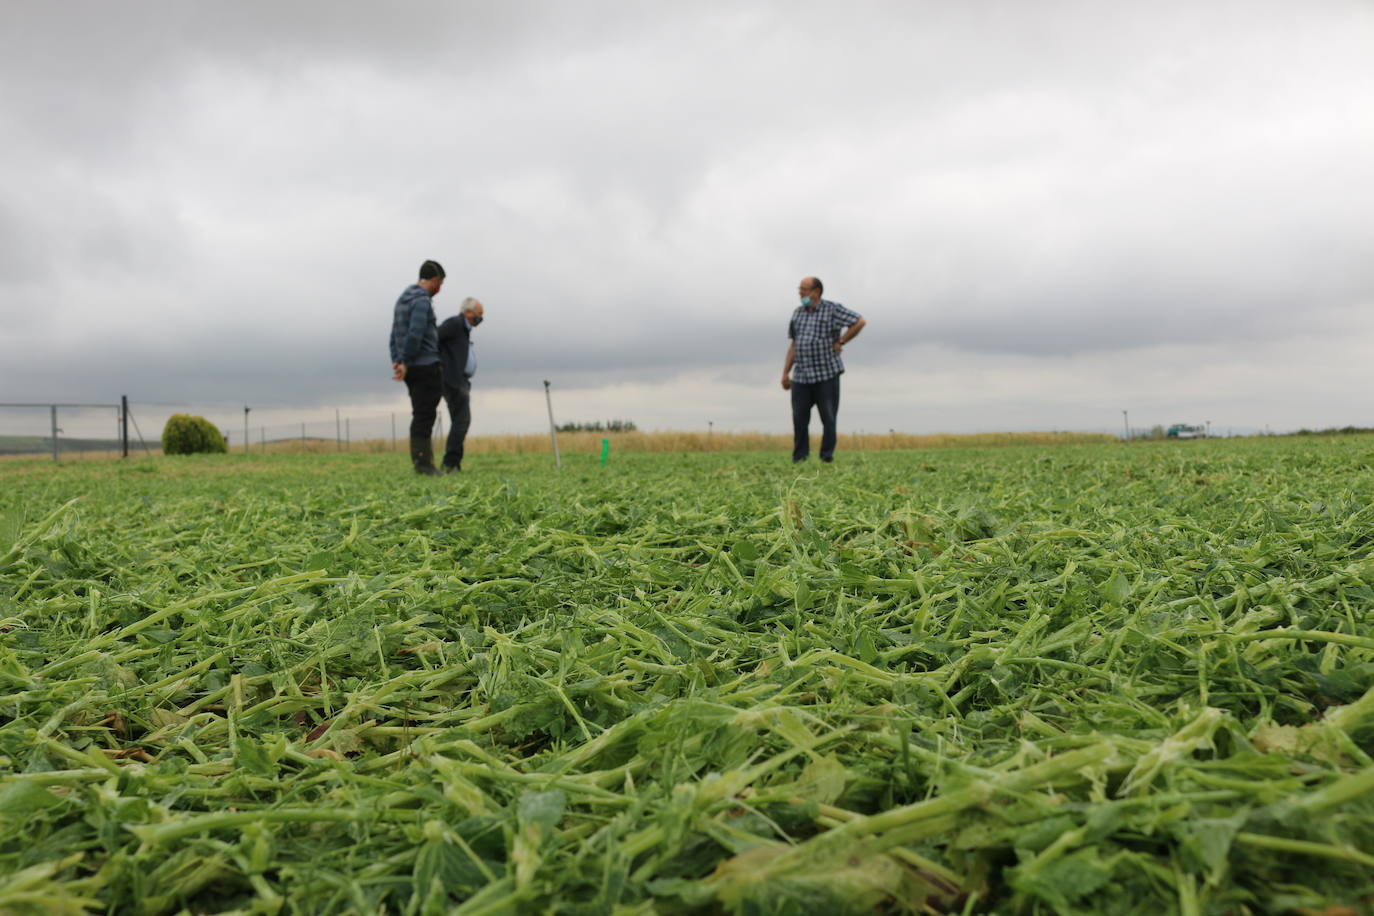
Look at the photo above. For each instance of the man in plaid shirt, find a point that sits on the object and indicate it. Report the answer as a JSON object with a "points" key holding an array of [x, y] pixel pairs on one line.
{"points": [[819, 329]]}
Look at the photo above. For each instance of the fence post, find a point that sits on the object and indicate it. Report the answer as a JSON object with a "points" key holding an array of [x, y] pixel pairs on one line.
{"points": [[553, 427], [348, 434], [124, 424], [54, 432], [302, 437], [246, 441]]}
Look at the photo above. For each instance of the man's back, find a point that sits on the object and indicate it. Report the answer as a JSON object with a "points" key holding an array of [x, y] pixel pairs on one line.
{"points": [[414, 336]]}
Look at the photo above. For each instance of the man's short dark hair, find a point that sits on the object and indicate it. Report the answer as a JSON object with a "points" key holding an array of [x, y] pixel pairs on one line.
{"points": [[431, 269], [820, 287]]}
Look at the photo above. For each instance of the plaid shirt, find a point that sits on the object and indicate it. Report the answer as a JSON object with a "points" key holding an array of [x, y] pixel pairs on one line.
{"points": [[814, 331]]}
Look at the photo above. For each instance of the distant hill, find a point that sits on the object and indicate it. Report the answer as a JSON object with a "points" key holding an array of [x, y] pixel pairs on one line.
{"points": [[41, 445]]}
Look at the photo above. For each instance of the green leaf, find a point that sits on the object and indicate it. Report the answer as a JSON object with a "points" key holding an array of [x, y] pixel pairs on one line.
{"points": [[541, 809], [1207, 843], [822, 780], [11, 524], [251, 755], [868, 652], [1064, 880], [1040, 834], [744, 550], [1117, 588], [22, 798]]}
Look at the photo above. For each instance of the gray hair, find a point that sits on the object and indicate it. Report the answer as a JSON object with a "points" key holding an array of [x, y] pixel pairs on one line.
{"points": [[468, 304]]}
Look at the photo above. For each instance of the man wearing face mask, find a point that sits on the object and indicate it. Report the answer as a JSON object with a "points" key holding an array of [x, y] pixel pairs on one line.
{"points": [[819, 329], [459, 361]]}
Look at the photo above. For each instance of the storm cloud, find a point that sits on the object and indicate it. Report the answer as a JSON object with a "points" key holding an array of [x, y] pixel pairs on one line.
{"points": [[1047, 212]]}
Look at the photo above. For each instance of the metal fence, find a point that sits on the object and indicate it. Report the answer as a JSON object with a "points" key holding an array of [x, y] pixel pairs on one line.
{"points": [[79, 430], [84, 430], [55, 413], [315, 430]]}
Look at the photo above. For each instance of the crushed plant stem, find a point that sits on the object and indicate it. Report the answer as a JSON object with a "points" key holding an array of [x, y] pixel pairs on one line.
{"points": [[1080, 678]]}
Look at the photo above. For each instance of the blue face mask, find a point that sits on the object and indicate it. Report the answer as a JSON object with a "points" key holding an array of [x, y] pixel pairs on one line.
{"points": [[806, 302]]}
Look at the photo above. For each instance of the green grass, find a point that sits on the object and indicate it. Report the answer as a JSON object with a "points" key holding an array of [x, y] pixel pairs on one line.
{"points": [[1127, 679]]}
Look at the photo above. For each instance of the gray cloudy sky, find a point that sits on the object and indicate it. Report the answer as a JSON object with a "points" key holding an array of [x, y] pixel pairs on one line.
{"points": [[1047, 211]]}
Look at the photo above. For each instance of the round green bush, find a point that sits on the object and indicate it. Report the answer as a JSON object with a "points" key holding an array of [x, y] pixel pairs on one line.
{"points": [[188, 435]]}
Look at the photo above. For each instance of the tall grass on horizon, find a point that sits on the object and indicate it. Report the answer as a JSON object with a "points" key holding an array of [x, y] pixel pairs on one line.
{"points": [[661, 441], [689, 441]]}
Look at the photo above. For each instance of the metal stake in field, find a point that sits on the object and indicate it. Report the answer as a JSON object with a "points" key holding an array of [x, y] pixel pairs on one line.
{"points": [[553, 428], [1126, 419], [246, 442]]}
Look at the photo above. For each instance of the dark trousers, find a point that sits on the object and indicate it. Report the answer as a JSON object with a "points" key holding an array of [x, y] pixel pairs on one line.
{"points": [[458, 398], [426, 387], [825, 397]]}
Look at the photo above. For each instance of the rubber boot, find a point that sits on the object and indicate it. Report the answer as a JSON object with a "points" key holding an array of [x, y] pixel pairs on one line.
{"points": [[422, 456]]}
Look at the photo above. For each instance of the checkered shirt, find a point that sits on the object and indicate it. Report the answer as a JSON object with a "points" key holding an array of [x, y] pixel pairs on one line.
{"points": [[814, 331]]}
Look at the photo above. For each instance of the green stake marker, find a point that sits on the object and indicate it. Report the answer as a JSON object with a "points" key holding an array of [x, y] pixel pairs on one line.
{"points": [[605, 451]]}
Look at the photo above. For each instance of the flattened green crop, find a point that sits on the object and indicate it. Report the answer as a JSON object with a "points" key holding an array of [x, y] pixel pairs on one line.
{"points": [[1076, 680]]}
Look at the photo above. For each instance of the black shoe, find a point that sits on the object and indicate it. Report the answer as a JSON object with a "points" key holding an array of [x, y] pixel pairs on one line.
{"points": [[452, 469], [799, 460], [828, 460], [421, 457]]}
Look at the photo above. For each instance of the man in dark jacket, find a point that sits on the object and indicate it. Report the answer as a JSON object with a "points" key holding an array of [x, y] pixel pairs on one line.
{"points": [[459, 362], [415, 361]]}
